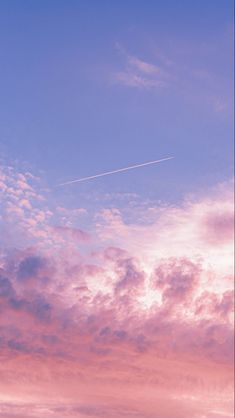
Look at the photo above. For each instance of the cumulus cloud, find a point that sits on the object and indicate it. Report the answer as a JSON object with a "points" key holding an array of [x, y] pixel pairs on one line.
{"points": [[138, 320]]}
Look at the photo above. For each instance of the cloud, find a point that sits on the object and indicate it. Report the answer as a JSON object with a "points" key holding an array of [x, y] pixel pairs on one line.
{"points": [[219, 226], [30, 267], [127, 320], [177, 278], [5, 287], [70, 233], [174, 72], [138, 73], [128, 78]]}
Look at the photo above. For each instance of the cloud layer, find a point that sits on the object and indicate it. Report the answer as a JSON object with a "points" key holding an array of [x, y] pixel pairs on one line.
{"points": [[128, 320]]}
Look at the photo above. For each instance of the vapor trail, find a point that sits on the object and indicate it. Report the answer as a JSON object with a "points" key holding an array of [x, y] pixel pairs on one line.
{"points": [[107, 173]]}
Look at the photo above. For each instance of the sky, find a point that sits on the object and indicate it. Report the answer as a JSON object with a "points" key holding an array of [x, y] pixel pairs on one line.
{"points": [[116, 293]]}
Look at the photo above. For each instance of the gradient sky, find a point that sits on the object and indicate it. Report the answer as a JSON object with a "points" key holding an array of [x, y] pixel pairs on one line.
{"points": [[116, 295]]}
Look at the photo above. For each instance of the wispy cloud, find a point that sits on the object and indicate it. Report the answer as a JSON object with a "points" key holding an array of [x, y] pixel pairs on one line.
{"points": [[179, 74], [139, 73]]}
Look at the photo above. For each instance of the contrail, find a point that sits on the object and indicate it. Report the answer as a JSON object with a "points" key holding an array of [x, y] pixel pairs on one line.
{"points": [[107, 173]]}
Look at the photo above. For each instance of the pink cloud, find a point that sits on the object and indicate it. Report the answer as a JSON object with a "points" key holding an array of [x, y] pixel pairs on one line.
{"points": [[219, 226], [125, 321], [70, 233], [131, 79], [177, 278], [138, 73]]}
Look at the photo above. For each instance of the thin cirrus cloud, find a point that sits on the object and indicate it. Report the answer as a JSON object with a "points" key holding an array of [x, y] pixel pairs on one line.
{"points": [[161, 72], [140, 74], [109, 327]]}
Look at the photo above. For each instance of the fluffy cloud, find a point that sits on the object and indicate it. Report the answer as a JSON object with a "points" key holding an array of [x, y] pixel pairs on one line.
{"points": [[125, 321]]}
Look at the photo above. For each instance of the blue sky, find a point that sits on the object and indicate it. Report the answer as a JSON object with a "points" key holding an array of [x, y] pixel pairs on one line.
{"points": [[75, 100]]}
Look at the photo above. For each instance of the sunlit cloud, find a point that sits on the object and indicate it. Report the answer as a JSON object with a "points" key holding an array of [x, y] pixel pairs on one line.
{"points": [[146, 307]]}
